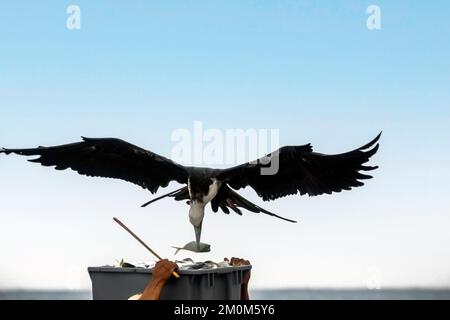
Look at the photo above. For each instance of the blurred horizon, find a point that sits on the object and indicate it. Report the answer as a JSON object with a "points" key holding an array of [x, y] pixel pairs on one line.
{"points": [[269, 294]]}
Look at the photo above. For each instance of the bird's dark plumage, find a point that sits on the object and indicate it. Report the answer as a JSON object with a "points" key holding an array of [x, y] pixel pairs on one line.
{"points": [[300, 171], [303, 171], [227, 198], [110, 158]]}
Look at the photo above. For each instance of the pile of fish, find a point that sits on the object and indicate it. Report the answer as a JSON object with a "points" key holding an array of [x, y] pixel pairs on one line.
{"points": [[185, 264], [189, 264]]}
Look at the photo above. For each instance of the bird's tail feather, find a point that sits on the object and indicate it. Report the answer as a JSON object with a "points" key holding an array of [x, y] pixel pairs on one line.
{"points": [[242, 202], [179, 194]]}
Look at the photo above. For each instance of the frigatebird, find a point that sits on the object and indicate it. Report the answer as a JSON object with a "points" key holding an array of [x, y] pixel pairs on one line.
{"points": [[300, 170]]}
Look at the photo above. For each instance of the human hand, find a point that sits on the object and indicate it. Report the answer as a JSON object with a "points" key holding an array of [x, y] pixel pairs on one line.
{"points": [[163, 270], [237, 262]]}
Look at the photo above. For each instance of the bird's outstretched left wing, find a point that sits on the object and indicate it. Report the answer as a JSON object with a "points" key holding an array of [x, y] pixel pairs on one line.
{"points": [[300, 170], [109, 158]]}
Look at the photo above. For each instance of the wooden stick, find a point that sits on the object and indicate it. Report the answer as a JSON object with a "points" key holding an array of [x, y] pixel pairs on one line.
{"points": [[175, 274]]}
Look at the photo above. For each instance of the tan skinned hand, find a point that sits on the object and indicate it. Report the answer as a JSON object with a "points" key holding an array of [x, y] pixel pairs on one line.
{"points": [[164, 269], [237, 262]]}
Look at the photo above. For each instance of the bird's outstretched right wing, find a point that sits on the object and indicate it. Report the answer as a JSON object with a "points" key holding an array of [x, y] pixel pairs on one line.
{"points": [[109, 158]]}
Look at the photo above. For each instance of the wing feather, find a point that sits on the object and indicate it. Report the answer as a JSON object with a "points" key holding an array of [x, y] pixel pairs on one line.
{"points": [[109, 158], [303, 171]]}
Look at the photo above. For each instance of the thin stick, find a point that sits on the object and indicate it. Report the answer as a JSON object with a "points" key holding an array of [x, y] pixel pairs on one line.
{"points": [[175, 274]]}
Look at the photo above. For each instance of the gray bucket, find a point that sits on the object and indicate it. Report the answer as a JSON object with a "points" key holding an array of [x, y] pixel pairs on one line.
{"points": [[109, 283]]}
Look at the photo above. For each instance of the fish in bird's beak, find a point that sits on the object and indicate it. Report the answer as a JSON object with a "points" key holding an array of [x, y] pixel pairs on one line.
{"points": [[194, 247]]}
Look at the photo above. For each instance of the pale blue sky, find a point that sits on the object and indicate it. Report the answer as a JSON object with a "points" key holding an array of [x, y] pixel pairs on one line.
{"points": [[311, 69]]}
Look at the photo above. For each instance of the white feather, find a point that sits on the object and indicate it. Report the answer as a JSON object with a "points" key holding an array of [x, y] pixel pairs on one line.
{"points": [[197, 210]]}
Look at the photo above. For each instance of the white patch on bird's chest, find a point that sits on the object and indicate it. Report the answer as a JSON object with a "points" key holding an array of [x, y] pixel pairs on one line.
{"points": [[197, 210], [213, 190], [189, 188]]}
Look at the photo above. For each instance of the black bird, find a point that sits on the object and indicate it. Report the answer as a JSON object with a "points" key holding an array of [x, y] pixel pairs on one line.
{"points": [[300, 170]]}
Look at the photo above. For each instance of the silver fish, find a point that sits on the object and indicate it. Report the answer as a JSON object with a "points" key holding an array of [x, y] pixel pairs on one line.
{"points": [[194, 247], [187, 260]]}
